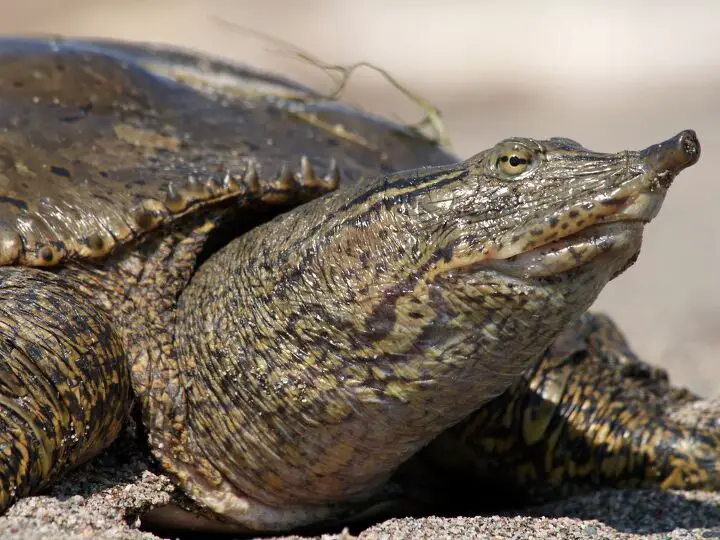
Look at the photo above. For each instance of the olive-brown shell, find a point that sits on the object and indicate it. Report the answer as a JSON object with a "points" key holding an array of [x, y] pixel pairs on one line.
{"points": [[101, 142]]}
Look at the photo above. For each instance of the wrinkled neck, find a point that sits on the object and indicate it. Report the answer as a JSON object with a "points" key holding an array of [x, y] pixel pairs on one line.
{"points": [[335, 353]]}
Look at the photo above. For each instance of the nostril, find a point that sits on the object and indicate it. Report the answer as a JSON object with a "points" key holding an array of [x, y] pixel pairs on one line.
{"points": [[689, 145], [673, 155]]}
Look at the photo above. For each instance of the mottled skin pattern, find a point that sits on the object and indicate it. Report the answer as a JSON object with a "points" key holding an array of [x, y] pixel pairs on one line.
{"points": [[64, 381], [285, 371]]}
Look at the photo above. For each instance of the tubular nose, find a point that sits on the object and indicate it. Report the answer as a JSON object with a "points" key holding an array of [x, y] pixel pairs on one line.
{"points": [[675, 154]]}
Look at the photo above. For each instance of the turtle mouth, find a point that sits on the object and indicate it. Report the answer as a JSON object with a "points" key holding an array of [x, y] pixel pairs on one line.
{"points": [[630, 203], [609, 225], [611, 228], [620, 238]]}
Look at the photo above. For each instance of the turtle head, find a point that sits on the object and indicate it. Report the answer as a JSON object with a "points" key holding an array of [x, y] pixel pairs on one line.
{"points": [[346, 334], [541, 209]]}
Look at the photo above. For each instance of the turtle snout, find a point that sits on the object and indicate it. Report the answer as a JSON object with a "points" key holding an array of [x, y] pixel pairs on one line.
{"points": [[673, 155]]}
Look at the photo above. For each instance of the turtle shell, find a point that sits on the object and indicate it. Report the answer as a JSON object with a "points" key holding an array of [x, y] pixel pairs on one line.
{"points": [[101, 142]]}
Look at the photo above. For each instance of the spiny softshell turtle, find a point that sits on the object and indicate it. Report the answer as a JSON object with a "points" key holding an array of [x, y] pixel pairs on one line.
{"points": [[288, 370]]}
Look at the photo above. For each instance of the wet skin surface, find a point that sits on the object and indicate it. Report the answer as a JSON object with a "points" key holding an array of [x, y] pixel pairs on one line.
{"points": [[285, 367]]}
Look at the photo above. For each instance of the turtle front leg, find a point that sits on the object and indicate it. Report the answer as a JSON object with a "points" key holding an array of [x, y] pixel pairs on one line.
{"points": [[64, 383], [589, 415]]}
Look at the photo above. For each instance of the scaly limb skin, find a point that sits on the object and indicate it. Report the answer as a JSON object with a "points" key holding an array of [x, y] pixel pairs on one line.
{"points": [[64, 382], [590, 414]]}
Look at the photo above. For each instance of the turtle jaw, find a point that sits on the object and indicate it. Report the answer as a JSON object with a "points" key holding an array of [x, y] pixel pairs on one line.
{"points": [[598, 244]]}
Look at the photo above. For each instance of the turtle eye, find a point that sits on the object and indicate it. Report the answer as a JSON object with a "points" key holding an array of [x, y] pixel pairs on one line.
{"points": [[514, 162]]}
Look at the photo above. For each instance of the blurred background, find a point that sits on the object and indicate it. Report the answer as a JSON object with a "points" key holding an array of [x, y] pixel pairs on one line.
{"points": [[612, 75]]}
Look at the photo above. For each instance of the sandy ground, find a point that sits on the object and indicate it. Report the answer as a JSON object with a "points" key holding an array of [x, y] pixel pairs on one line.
{"points": [[612, 75]]}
